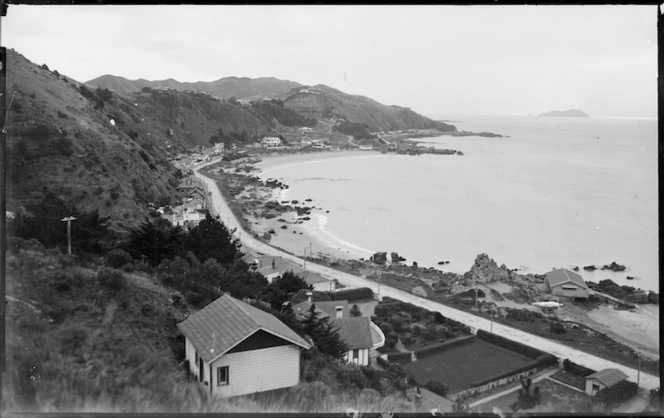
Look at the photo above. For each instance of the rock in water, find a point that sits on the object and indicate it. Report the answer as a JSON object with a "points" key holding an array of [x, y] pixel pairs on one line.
{"points": [[379, 258]]}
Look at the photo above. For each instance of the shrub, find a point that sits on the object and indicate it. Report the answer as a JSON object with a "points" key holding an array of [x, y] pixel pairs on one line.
{"points": [[111, 279], [557, 327], [617, 394], [118, 258], [436, 387]]}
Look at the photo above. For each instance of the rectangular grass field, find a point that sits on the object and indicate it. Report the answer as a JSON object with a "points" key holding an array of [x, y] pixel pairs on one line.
{"points": [[459, 367]]}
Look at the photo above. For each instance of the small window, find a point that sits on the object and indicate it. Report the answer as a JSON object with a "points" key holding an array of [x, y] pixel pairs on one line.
{"points": [[356, 353], [222, 376]]}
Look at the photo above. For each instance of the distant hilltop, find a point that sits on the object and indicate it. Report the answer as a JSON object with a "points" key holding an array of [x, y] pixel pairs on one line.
{"points": [[572, 113]]}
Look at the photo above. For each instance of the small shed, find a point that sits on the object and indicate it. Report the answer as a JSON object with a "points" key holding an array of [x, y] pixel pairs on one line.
{"points": [[603, 379], [562, 282]]}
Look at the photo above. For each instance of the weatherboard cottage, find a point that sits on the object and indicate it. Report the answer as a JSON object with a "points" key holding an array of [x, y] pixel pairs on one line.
{"points": [[236, 349]]}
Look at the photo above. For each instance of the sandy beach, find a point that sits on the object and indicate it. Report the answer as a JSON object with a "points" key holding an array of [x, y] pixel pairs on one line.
{"points": [[311, 235]]}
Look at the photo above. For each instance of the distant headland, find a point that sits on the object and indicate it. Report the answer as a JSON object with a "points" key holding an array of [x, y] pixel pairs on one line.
{"points": [[572, 113]]}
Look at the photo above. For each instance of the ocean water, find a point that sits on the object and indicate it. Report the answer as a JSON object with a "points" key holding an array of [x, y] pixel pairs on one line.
{"points": [[559, 192]]}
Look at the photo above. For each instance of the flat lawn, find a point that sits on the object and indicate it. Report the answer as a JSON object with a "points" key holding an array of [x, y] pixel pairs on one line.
{"points": [[459, 367], [556, 398]]}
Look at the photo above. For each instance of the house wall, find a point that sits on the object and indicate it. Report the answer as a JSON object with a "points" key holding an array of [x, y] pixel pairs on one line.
{"points": [[258, 370], [323, 286], [578, 292], [190, 354], [362, 360], [589, 386]]}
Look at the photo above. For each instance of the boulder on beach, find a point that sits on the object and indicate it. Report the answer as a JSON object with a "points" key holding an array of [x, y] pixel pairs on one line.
{"points": [[267, 236], [590, 268], [394, 256], [379, 258]]}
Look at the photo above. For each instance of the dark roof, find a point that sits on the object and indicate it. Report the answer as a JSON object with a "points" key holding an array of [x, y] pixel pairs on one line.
{"points": [[561, 276], [355, 331], [310, 277], [222, 324], [608, 377], [325, 307], [431, 400]]}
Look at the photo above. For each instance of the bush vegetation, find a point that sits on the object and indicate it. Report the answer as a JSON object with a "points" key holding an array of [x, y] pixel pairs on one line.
{"points": [[415, 326]]}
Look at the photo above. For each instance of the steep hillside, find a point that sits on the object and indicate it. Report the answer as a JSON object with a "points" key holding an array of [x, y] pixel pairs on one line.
{"points": [[101, 150], [238, 87], [325, 102]]}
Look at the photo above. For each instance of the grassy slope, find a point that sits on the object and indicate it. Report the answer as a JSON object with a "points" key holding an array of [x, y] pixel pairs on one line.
{"points": [[75, 343], [117, 168], [323, 102]]}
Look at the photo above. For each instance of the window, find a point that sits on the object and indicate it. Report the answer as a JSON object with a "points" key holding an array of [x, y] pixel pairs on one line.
{"points": [[356, 354], [222, 376], [569, 287]]}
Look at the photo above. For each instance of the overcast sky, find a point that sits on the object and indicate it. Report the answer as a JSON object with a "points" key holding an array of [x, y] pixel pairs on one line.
{"points": [[487, 60]]}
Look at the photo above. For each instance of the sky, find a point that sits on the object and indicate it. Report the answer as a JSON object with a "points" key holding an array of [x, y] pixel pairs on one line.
{"points": [[437, 60]]}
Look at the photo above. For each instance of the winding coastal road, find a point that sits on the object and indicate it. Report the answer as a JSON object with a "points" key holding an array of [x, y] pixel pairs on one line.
{"points": [[647, 381]]}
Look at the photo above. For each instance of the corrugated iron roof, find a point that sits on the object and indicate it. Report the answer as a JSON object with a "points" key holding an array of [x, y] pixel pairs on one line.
{"points": [[222, 324], [608, 377], [356, 331], [561, 276]]}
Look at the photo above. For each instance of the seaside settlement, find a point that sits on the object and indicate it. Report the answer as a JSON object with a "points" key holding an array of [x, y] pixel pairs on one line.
{"points": [[237, 347], [256, 328]]}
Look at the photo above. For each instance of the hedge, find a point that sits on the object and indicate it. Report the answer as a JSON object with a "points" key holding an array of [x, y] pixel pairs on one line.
{"points": [[361, 293], [523, 349], [529, 366], [617, 394], [399, 357], [435, 348], [577, 369]]}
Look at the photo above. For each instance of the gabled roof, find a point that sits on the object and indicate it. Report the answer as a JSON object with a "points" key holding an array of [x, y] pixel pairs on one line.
{"points": [[608, 377], [224, 323], [561, 276], [431, 400], [355, 331], [311, 278]]}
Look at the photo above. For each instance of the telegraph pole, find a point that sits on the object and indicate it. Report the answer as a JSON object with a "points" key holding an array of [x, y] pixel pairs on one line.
{"points": [[68, 219], [305, 258]]}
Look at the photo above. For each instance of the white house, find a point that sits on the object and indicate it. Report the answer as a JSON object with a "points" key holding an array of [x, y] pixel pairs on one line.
{"points": [[235, 349], [359, 333], [562, 282], [603, 379], [366, 147], [271, 142]]}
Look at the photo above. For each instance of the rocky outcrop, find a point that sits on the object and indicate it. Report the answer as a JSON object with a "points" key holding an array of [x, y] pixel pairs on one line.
{"points": [[485, 270]]}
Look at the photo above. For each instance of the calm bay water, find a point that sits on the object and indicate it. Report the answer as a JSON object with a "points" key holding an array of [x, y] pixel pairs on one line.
{"points": [[559, 192]]}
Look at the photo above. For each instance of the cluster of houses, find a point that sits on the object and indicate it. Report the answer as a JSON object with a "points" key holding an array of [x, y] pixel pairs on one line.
{"points": [[235, 348], [193, 207]]}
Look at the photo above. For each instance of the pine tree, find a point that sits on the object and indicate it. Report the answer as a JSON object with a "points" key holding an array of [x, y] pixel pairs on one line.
{"points": [[325, 335]]}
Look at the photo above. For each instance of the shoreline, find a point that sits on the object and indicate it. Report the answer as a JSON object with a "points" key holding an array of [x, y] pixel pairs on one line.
{"points": [[310, 239], [310, 234]]}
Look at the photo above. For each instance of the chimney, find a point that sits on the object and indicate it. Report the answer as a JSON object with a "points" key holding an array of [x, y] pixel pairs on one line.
{"points": [[309, 294], [340, 311]]}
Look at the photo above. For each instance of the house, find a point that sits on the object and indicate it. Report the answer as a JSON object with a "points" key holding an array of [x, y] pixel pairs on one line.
{"points": [[366, 147], [273, 267], [563, 282], [430, 401], [356, 332], [271, 142], [316, 281], [235, 349], [603, 379], [361, 335]]}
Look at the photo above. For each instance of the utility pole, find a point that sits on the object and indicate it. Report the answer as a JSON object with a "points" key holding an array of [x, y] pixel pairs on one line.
{"points": [[638, 373], [310, 252], [68, 219], [305, 258]]}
